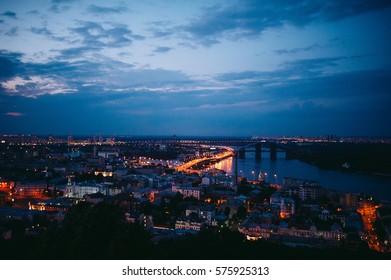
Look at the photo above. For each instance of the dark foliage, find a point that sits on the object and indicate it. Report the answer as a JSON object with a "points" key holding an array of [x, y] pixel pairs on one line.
{"points": [[362, 157], [100, 232]]}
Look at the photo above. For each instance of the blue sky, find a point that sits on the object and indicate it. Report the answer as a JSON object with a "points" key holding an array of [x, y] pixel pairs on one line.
{"points": [[226, 68]]}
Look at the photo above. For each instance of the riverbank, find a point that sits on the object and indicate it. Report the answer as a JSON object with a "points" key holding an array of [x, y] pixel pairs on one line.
{"points": [[364, 158]]}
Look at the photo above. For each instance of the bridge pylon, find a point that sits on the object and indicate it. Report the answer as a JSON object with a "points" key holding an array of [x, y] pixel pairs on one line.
{"points": [[273, 151], [242, 153], [258, 150]]}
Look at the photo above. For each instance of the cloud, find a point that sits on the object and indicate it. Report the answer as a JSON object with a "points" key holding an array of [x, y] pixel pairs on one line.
{"points": [[243, 104], [94, 34], [162, 50], [94, 9], [33, 12], [162, 29], [12, 32], [235, 76], [9, 14], [46, 32], [369, 87], [77, 52], [289, 70], [170, 100], [73, 70], [14, 114], [9, 64], [59, 6], [34, 86], [41, 31], [310, 67], [306, 82], [152, 79], [62, 1], [297, 50], [247, 19]]}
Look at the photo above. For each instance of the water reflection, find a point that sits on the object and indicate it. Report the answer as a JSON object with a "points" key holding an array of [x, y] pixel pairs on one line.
{"points": [[227, 165]]}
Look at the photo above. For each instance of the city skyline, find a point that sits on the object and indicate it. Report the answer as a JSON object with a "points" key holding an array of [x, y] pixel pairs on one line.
{"points": [[195, 68]]}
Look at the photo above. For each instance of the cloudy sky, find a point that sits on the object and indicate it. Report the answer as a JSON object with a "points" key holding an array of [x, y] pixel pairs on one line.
{"points": [[227, 68]]}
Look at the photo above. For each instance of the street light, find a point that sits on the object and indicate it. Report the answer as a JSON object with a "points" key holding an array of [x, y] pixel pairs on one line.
{"points": [[275, 176], [253, 175], [266, 177]]}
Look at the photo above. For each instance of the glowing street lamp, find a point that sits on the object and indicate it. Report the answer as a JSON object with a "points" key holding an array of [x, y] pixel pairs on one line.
{"points": [[266, 177], [275, 176]]}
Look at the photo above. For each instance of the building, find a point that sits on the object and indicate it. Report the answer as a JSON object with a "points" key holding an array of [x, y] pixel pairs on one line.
{"points": [[351, 199], [189, 224], [104, 173], [188, 191], [355, 223], [324, 215], [114, 190], [6, 185], [304, 189], [30, 188], [255, 231], [206, 181], [108, 154], [145, 193], [313, 232], [296, 182], [51, 205], [230, 207], [135, 217], [79, 190], [95, 198], [287, 205], [7, 213], [205, 212], [3, 197]]}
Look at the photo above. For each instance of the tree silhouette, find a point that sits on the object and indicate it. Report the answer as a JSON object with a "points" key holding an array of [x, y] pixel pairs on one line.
{"points": [[95, 232]]}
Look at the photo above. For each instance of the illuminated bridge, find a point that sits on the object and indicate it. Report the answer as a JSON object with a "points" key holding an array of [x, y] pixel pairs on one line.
{"points": [[271, 147]]}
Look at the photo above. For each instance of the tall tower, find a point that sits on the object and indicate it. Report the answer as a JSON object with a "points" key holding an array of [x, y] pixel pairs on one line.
{"points": [[95, 150], [260, 176], [258, 150], [70, 139]]}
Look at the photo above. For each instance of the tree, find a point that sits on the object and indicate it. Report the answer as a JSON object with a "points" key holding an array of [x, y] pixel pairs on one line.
{"points": [[95, 232], [244, 189], [241, 212], [227, 210]]}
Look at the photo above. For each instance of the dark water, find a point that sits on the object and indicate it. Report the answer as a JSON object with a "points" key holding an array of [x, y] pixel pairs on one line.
{"points": [[377, 186]]}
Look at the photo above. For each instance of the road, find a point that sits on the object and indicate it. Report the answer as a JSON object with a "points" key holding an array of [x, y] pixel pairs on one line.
{"points": [[368, 213]]}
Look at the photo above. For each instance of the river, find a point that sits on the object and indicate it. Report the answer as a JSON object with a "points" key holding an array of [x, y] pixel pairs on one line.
{"points": [[275, 170]]}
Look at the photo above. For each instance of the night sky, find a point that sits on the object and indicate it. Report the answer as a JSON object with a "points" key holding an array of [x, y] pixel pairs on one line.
{"points": [[199, 68]]}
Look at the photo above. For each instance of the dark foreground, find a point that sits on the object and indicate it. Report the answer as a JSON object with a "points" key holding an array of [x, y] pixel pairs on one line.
{"points": [[101, 233]]}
